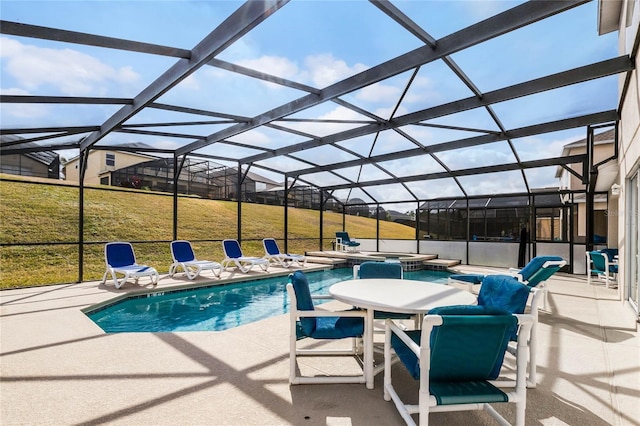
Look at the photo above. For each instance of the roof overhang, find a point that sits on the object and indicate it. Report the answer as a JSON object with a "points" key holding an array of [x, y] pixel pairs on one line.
{"points": [[609, 15], [607, 174]]}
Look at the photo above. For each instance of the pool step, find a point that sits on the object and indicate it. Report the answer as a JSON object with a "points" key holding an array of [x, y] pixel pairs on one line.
{"points": [[326, 260], [441, 263]]}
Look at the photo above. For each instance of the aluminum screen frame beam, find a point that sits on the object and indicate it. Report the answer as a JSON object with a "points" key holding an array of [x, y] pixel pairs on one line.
{"points": [[245, 18], [507, 21], [577, 75], [465, 172], [549, 127]]}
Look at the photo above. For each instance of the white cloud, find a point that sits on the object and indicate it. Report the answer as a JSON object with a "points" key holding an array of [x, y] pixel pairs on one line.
{"points": [[379, 92], [190, 83], [323, 70], [252, 137], [22, 110], [422, 88], [72, 72], [274, 65]]}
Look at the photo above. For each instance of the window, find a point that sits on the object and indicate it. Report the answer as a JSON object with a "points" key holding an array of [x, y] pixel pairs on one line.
{"points": [[552, 224], [111, 159], [104, 180]]}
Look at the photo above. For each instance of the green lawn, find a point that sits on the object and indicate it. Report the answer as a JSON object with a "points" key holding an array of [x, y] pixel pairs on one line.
{"points": [[35, 214]]}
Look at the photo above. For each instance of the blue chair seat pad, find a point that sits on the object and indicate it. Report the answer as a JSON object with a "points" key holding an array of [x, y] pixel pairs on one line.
{"points": [[447, 393], [334, 328]]}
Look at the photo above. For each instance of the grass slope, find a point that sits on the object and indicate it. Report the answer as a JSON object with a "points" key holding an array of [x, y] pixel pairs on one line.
{"points": [[44, 220]]}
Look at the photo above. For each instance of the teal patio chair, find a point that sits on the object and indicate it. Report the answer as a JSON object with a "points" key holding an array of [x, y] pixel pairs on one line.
{"points": [[307, 322], [534, 274], [455, 358], [598, 263], [344, 243]]}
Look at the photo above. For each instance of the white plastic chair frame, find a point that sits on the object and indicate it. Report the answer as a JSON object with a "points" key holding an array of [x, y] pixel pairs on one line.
{"points": [[345, 247], [283, 259], [536, 295], [427, 403], [605, 275], [244, 263], [193, 268], [542, 286], [134, 270], [294, 352], [532, 344]]}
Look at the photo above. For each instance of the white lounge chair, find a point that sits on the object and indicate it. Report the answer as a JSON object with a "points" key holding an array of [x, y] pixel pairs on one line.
{"points": [[233, 256], [121, 259], [185, 258], [275, 256]]}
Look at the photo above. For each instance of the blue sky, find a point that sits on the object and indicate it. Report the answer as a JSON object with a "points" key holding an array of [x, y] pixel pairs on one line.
{"points": [[316, 43]]}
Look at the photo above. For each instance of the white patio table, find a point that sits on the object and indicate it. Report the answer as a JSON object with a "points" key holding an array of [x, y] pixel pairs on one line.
{"points": [[395, 295]]}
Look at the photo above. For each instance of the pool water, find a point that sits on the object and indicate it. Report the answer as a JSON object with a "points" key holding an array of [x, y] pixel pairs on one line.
{"points": [[220, 307]]}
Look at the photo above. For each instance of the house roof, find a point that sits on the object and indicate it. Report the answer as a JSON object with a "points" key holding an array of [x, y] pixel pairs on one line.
{"points": [[30, 149]]}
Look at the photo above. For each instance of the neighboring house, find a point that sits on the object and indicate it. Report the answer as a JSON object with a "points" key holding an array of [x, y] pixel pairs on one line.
{"points": [[44, 164], [399, 217], [197, 177], [102, 163], [357, 207], [605, 226]]}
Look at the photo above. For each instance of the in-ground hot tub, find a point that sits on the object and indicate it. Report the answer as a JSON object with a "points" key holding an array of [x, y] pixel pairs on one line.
{"points": [[409, 261]]}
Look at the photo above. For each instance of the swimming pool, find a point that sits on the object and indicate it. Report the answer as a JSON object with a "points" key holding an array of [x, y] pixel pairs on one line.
{"points": [[220, 307]]}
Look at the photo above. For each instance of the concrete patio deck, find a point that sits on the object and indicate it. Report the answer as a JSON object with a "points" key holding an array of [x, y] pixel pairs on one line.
{"points": [[59, 368]]}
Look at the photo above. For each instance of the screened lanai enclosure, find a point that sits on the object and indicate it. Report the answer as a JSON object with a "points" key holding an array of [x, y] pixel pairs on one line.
{"points": [[448, 118]]}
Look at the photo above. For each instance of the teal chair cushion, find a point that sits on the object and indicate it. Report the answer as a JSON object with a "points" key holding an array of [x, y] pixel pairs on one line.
{"points": [[304, 302], [380, 270], [505, 292], [610, 252], [447, 393], [338, 327], [470, 348], [535, 266], [468, 278], [344, 236]]}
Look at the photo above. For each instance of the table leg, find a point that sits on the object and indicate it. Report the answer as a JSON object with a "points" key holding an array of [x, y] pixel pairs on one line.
{"points": [[368, 350]]}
